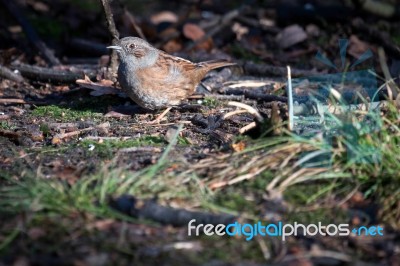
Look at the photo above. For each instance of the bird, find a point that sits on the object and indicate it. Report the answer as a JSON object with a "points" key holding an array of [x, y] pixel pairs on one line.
{"points": [[155, 79]]}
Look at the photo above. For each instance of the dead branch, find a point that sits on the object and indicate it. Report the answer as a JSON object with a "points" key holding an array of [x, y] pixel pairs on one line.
{"points": [[8, 74], [247, 127], [149, 209], [57, 139], [249, 109], [20, 101], [114, 34], [290, 99], [51, 75], [132, 20], [30, 32]]}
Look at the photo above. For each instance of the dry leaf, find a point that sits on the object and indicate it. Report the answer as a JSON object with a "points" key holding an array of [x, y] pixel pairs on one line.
{"points": [[239, 30], [193, 32], [290, 36], [238, 147], [357, 47], [164, 16], [114, 114]]}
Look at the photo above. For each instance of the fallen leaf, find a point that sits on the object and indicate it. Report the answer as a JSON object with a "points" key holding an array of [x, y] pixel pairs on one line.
{"points": [[164, 16], [239, 30], [290, 36], [238, 147], [114, 114], [357, 47], [193, 32]]}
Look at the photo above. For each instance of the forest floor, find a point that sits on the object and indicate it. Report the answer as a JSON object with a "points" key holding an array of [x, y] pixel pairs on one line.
{"points": [[83, 172]]}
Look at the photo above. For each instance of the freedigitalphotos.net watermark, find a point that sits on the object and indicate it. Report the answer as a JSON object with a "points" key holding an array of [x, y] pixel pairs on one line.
{"points": [[279, 229]]}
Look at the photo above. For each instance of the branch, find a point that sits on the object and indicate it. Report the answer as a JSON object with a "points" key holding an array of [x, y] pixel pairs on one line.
{"points": [[51, 75], [114, 33], [148, 209], [8, 74], [31, 33]]}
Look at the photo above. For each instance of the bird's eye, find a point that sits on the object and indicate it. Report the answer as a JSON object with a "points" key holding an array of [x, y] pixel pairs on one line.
{"points": [[131, 46]]}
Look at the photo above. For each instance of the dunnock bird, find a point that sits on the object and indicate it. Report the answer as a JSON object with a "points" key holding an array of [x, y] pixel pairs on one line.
{"points": [[155, 79]]}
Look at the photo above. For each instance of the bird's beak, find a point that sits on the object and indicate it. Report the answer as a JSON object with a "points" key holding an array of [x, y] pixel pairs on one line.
{"points": [[115, 47]]}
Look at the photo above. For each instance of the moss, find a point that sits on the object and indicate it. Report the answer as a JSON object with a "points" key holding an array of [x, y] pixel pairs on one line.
{"points": [[107, 148], [6, 125], [64, 114], [211, 102]]}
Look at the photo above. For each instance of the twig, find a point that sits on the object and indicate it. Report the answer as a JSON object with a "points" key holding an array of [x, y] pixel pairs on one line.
{"points": [[12, 101], [290, 99], [99, 139], [31, 33], [8, 74], [249, 109], [132, 20], [51, 75], [236, 112], [59, 137], [114, 34], [169, 124], [247, 127], [140, 149], [20, 101], [149, 209], [392, 88]]}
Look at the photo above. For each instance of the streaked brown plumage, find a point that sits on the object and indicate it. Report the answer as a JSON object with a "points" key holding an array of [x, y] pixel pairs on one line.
{"points": [[155, 79]]}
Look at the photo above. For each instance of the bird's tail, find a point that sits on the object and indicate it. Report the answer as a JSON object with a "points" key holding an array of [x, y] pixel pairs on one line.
{"points": [[213, 64]]}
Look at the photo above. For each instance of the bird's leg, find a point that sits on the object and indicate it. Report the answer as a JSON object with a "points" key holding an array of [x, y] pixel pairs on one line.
{"points": [[161, 116]]}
